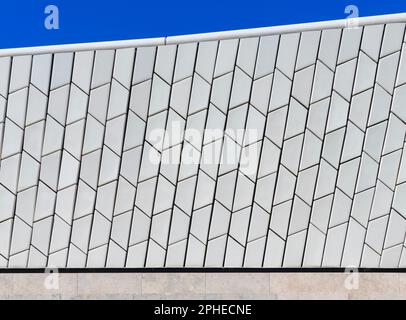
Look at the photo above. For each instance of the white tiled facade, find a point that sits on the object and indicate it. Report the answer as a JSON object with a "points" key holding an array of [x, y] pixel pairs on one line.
{"points": [[78, 188]]}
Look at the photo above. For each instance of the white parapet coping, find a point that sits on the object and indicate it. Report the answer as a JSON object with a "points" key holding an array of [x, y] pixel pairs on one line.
{"points": [[291, 28], [212, 36], [103, 45]]}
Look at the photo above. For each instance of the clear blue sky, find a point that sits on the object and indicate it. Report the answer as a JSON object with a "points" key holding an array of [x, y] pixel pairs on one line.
{"points": [[22, 22]]}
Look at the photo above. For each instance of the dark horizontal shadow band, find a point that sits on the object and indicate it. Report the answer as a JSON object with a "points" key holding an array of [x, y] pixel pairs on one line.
{"points": [[203, 270]]}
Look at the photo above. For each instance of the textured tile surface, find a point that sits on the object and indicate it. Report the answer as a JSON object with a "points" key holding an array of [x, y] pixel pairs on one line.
{"points": [[273, 151]]}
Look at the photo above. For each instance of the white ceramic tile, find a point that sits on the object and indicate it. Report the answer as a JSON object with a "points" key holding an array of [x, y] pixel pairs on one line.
{"points": [[276, 125], [77, 105], [314, 248], [382, 201], [359, 109], [29, 172], [5, 64], [387, 70], [125, 196], [185, 60], [347, 176], [398, 204], [291, 152], [114, 134], [281, 88], [306, 183], [329, 47], [74, 134], [144, 64], [371, 40], [325, 179], [370, 259], [353, 143], [374, 139], [376, 233], [65, 203], [332, 146], [365, 74], [323, 82], [344, 78], [123, 65], [199, 227], [302, 85], [84, 200], [69, 171], [61, 69], [396, 230], [391, 256], [247, 53], [334, 246], [41, 70], [25, 205], [392, 39], [81, 229], [317, 117], [206, 58], [267, 52], [17, 106], [241, 88], [300, 215], [105, 199], [89, 170], [259, 223], [254, 253], [380, 106], [44, 205], [401, 77], [9, 172], [12, 141], [285, 186], [261, 89], [321, 212], [274, 251], [353, 245], [98, 102], [265, 191], [102, 68], [33, 137], [349, 45], [296, 119], [6, 204], [20, 73], [389, 168], [82, 69], [294, 250], [118, 102], [287, 53], [139, 99], [165, 62], [340, 210], [121, 228], [338, 112], [367, 173], [308, 48], [395, 134], [180, 96], [226, 55], [398, 98]]}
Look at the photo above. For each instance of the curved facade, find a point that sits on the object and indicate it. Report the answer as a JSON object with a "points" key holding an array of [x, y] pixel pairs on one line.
{"points": [[280, 149]]}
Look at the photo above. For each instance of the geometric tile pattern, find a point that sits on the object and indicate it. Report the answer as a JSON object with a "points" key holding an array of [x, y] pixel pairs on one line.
{"points": [[84, 182]]}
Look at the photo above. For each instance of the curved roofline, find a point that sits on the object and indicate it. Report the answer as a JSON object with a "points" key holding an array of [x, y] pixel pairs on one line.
{"points": [[212, 36]]}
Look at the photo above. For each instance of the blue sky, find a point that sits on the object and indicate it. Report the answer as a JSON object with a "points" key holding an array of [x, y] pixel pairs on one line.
{"points": [[86, 21]]}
